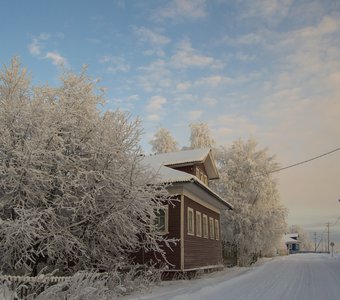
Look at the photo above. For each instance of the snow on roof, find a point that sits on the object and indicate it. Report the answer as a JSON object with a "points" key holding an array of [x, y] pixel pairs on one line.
{"points": [[179, 157], [159, 164], [292, 235], [186, 157], [290, 238]]}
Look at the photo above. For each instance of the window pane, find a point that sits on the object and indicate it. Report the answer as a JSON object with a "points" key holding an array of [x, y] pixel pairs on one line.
{"points": [[161, 219], [190, 220], [205, 226], [198, 224]]}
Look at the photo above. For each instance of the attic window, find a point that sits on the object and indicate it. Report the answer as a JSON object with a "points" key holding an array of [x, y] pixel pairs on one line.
{"points": [[201, 176]]}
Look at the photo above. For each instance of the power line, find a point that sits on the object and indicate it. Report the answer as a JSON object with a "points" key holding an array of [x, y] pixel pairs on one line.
{"points": [[305, 161], [336, 221]]}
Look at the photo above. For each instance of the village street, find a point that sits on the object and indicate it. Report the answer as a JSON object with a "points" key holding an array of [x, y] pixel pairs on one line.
{"points": [[299, 276]]}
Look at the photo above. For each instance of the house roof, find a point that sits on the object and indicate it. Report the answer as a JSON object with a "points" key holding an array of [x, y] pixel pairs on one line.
{"points": [[292, 235], [290, 238], [162, 164], [186, 157]]}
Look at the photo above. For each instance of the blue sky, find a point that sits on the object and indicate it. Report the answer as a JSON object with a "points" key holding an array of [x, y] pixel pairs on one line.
{"points": [[264, 69]]}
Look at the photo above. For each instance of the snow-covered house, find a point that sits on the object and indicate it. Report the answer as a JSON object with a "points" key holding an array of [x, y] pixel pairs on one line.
{"points": [[194, 219], [292, 242]]}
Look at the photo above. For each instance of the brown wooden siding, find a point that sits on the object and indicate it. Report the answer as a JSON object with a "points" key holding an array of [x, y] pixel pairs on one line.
{"points": [[173, 256], [187, 169], [200, 251], [192, 169]]}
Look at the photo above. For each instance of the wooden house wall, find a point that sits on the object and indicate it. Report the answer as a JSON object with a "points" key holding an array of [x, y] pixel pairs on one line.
{"points": [[200, 251], [192, 169], [173, 255]]}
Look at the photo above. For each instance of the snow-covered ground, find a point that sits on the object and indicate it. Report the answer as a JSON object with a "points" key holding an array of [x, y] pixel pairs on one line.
{"points": [[298, 276]]}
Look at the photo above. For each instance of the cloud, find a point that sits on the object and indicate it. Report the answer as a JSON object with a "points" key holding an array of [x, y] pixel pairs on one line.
{"points": [[152, 37], [115, 64], [195, 114], [153, 118], [327, 25], [246, 39], [38, 44], [237, 125], [182, 9], [56, 59], [224, 131], [213, 81], [134, 97], [183, 86], [300, 98], [155, 76], [273, 10], [35, 47], [184, 98], [208, 101], [156, 103], [186, 56]]}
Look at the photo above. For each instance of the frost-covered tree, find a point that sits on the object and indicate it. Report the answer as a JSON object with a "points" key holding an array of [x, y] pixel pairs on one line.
{"points": [[163, 142], [200, 136], [258, 220], [73, 193], [306, 243]]}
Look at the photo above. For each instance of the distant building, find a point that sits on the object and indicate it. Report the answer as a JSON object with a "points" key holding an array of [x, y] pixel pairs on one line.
{"points": [[292, 242], [194, 218]]}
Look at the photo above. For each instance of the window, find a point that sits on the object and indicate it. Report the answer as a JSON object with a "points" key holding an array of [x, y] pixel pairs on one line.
{"points": [[198, 173], [212, 228], [201, 176], [191, 222], [205, 179], [162, 216], [198, 223], [205, 226], [217, 230]]}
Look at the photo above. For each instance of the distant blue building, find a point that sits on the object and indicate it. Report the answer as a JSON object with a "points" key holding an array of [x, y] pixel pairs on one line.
{"points": [[292, 242]]}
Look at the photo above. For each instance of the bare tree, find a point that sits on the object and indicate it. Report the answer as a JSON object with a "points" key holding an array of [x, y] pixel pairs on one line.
{"points": [[163, 142], [73, 192], [306, 243], [200, 136], [258, 220]]}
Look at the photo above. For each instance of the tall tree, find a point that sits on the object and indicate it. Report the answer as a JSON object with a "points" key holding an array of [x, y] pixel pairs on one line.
{"points": [[73, 192], [200, 136], [257, 222], [306, 243], [163, 142]]}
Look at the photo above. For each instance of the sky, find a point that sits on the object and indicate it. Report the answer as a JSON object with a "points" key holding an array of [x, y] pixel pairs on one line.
{"points": [[267, 70]]}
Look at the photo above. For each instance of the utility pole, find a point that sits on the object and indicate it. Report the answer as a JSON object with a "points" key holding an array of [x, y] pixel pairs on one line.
{"points": [[314, 241], [328, 236]]}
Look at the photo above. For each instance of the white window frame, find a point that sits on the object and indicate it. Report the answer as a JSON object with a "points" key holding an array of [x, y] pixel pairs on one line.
{"points": [[191, 231], [197, 172], [198, 224], [166, 219], [211, 228], [205, 179], [217, 230], [205, 229]]}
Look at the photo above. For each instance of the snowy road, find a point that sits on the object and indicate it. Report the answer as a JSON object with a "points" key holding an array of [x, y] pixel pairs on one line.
{"points": [[299, 276]]}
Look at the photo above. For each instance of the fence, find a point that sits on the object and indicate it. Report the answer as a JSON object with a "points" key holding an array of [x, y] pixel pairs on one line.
{"points": [[25, 287]]}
